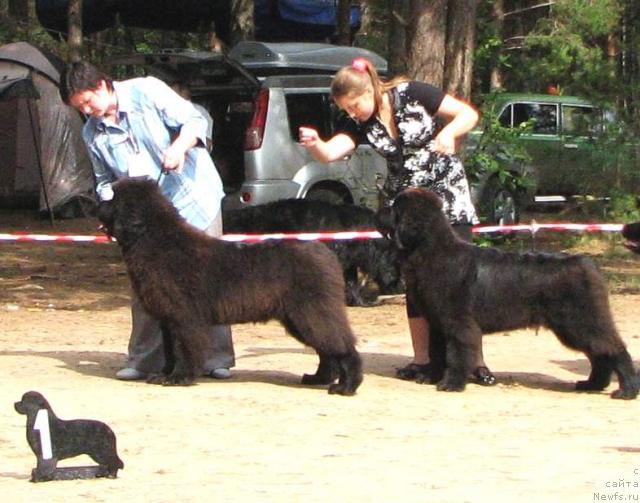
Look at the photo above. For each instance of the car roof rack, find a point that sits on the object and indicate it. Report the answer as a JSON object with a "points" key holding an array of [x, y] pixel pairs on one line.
{"points": [[293, 57]]}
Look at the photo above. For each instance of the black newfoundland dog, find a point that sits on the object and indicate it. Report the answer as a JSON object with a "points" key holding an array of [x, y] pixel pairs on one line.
{"points": [[376, 259], [190, 281], [68, 438], [465, 291]]}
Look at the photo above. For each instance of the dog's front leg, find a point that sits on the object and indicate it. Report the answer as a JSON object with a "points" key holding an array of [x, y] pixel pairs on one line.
{"points": [[461, 358], [179, 367], [437, 356]]}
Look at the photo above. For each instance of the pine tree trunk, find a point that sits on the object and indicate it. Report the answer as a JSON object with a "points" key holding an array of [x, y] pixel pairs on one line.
{"points": [[461, 37], [497, 79], [343, 22], [242, 24], [74, 30], [16, 24], [397, 40], [426, 36]]}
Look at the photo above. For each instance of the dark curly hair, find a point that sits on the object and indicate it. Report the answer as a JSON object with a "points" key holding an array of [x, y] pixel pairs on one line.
{"points": [[81, 76]]}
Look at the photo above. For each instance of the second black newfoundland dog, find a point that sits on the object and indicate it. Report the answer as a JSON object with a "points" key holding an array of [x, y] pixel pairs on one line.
{"points": [[465, 291], [190, 281], [375, 259]]}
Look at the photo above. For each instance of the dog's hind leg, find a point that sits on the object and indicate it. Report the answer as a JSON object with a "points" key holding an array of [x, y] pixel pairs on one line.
{"points": [[607, 353], [600, 376], [628, 380], [602, 366], [350, 374], [331, 337], [328, 371]]}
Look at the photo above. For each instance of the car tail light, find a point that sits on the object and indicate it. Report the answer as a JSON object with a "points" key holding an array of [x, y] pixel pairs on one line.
{"points": [[255, 132], [246, 197]]}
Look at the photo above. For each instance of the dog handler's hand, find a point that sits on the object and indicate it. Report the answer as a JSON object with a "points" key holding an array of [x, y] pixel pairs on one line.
{"points": [[444, 143], [308, 136], [173, 159]]}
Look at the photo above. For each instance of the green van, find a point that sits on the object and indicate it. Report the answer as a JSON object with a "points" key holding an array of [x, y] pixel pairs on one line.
{"points": [[565, 151]]}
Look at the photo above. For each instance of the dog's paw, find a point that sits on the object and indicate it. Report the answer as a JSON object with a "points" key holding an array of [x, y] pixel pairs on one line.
{"points": [[341, 389], [313, 379], [590, 386], [156, 378], [178, 380], [451, 384], [171, 379], [625, 394]]}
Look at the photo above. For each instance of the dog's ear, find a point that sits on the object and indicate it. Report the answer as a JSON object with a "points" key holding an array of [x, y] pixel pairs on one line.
{"points": [[384, 222], [408, 226], [105, 216]]}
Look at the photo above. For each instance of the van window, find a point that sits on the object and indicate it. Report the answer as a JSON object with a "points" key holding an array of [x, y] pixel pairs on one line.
{"points": [[308, 110], [580, 120], [544, 117]]}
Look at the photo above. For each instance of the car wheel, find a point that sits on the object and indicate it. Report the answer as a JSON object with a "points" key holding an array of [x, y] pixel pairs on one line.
{"points": [[327, 195], [501, 205]]}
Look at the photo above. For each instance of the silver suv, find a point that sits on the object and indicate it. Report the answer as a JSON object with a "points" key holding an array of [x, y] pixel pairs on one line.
{"points": [[294, 81], [258, 95]]}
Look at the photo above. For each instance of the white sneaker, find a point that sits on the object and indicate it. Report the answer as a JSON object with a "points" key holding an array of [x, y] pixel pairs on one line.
{"points": [[130, 374], [221, 373]]}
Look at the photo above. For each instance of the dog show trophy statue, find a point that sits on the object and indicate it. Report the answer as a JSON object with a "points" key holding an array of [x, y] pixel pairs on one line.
{"points": [[52, 439]]}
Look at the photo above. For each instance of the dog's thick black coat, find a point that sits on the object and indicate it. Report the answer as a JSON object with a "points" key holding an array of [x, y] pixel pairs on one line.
{"points": [[376, 258], [70, 438], [190, 281], [465, 291]]}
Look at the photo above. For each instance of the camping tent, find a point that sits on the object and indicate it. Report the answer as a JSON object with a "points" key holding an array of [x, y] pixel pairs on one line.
{"points": [[42, 157]]}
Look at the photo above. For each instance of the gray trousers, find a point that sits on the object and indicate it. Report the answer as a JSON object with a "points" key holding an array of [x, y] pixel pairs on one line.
{"points": [[146, 353]]}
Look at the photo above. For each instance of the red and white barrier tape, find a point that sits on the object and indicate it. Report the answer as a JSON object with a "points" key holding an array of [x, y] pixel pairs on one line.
{"points": [[535, 227], [323, 236]]}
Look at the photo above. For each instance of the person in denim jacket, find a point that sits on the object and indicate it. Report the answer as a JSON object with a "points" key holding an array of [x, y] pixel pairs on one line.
{"points": [[141, 127]]}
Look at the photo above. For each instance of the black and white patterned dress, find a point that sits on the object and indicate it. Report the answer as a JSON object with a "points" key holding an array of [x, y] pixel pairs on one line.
{"points": [[410, 159]]}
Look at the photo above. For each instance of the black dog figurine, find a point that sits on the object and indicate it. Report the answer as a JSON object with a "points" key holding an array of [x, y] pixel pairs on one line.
{"points": [[67, 439]]}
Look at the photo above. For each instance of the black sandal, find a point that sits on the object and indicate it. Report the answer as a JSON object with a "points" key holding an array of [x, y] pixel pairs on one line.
{"points": [[414, 372]]}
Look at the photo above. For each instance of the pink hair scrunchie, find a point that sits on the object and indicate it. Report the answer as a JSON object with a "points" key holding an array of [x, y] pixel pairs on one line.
{"points": [[359, 64]]}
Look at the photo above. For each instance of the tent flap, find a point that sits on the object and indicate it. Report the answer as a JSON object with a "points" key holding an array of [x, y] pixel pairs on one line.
{"points": [[44, 157], [18, 88]]}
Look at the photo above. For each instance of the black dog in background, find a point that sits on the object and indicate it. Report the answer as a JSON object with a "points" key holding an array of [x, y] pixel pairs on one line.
{"points": [[190, 281], [465, 291], [70, 438], [375, 258], [631, 232]]}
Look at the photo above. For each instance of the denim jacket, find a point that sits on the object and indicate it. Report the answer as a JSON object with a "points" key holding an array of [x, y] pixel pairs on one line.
{"points": [[151, 114]]}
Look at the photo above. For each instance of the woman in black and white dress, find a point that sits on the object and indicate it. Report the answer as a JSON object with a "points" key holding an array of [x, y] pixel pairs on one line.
{"points": [[398, 119]]}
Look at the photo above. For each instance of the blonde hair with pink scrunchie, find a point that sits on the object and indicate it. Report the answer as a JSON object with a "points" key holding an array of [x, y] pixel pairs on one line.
{"points": [[353, 80]]}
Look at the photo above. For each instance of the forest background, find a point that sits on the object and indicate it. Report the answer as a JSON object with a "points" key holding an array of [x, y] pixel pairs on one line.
{"points": [[470, 48]]}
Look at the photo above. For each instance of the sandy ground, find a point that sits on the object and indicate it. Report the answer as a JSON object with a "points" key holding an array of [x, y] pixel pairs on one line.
{"points": [[261, 436]]}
